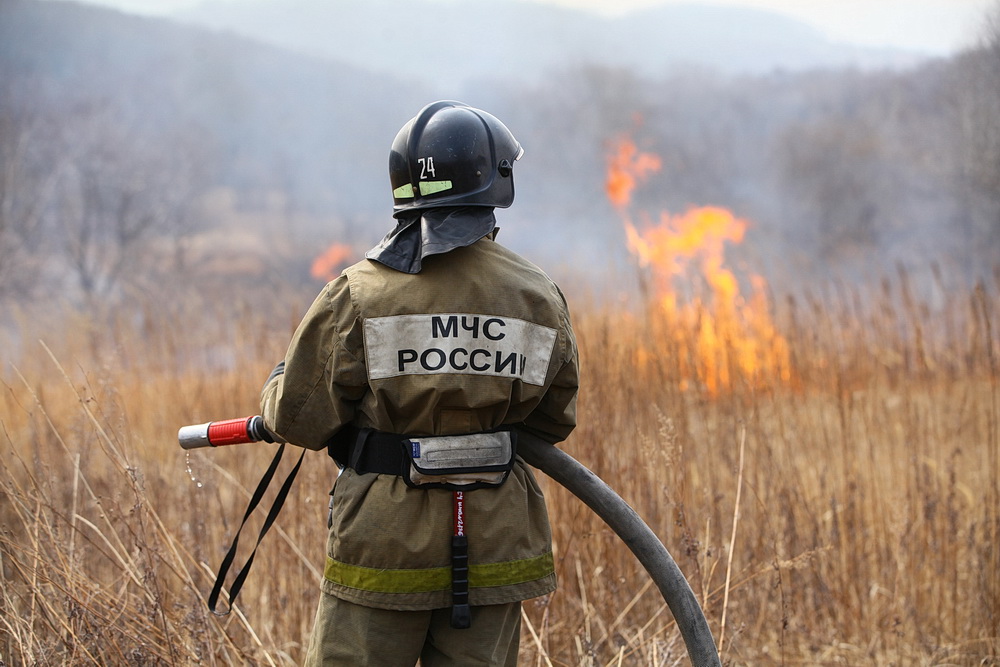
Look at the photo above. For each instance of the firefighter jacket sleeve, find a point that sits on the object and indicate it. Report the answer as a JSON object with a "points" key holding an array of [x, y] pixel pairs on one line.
{"points": [[323, 377], [555, 416]]}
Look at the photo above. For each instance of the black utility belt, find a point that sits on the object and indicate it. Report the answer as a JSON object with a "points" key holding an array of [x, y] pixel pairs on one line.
{"points": [[455, 462]]}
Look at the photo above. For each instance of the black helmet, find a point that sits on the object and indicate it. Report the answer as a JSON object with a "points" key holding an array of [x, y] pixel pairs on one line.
{"points": [[451, 154]]}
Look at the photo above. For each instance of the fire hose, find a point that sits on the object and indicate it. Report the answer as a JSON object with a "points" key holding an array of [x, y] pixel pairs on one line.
{"points": [[637, 536], [579, 481]]}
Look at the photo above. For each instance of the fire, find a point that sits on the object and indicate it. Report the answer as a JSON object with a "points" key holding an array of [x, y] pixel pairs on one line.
{"points": [[719, 336], [329, 264], [626, 167]]}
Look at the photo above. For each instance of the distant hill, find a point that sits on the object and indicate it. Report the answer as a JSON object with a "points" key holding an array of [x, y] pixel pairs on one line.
{"points": [[267, 112], [838, 165], [450, 43]]}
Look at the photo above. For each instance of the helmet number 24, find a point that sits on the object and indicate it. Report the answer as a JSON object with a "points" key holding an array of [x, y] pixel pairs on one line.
{"points": [[426, 167]]}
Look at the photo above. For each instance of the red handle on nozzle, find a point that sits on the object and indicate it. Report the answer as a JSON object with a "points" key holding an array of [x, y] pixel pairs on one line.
{"points": [[230, 432], [226, 432]]}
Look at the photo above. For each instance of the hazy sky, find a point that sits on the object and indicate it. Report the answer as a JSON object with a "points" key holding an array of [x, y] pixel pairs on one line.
{"points": [[935, 26], [940, 26]]}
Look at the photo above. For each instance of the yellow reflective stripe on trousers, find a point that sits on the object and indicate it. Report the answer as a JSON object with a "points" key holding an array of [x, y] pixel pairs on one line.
{"points": [[438, 578]]}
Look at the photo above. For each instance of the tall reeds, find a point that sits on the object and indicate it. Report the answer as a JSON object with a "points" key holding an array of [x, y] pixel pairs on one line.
{"points": [[846, 511]]}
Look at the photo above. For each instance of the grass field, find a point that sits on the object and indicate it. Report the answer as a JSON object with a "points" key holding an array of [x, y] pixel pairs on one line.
{"points": [[830, 491]]}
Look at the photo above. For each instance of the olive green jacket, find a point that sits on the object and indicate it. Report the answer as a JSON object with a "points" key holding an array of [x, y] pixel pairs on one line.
{"points": [[478, 339]]}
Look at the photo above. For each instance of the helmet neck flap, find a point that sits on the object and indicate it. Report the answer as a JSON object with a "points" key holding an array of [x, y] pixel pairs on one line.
{"points": [[431, 231]]}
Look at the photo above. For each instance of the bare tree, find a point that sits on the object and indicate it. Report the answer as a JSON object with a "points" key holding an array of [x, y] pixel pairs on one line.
{"points": [[123, 200], [975, 97], [26, 181], [987, 157], [833, 168]]}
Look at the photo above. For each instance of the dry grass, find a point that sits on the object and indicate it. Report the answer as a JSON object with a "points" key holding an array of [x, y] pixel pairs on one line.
{"points": [[848, 514]]}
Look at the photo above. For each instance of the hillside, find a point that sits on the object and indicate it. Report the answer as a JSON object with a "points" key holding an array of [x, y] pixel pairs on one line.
{"points": [[447, 44], [839, 171], [259, 106]]}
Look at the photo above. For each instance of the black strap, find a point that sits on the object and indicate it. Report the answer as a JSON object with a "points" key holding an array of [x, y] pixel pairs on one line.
{"points": [[272, 514], [461, 613], [378, 452]]}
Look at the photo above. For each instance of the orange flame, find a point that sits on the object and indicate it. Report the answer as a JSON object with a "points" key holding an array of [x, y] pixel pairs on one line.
{"points": [[731, 335], [625, 168], [329, 264]]}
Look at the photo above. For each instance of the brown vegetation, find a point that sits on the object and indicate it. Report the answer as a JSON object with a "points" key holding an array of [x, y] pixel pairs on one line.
{"points": [[848, 514]]}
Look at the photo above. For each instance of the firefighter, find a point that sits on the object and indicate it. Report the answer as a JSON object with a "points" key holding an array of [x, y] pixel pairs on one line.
{"points": [[416, 369]]}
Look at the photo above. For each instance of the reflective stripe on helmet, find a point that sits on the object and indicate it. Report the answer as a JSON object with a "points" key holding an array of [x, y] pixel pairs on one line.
{"points": [[404, 191], [438, 578], [431, 187]]}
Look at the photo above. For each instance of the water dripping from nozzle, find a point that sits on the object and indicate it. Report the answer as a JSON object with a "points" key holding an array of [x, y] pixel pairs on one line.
{"points": [[190, 470]]}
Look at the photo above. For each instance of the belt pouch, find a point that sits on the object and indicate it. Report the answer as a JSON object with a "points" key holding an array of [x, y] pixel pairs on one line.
{"points": [[459, 462]]}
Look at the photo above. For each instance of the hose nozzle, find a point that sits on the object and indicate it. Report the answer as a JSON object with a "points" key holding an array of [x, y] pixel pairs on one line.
{"points": [[226, 432]]}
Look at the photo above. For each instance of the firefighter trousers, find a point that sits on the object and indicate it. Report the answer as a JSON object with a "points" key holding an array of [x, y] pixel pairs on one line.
{"points": [[350, 635]]}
